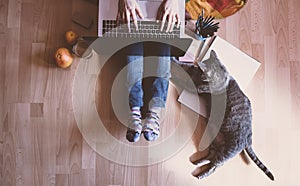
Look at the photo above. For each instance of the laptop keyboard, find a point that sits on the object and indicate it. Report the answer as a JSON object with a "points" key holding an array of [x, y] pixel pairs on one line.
{"points": [[147, 29]]}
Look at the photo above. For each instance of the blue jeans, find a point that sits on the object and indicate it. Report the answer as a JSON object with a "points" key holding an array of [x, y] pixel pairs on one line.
{"points": [[156, 65]]}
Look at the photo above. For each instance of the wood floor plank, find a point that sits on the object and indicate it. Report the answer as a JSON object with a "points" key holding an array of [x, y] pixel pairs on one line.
{"points": [[14, 14], [294, 30], [61, 145], [130, 175], [50, 179], [222, 30], [2, 84], [25, 52], [75, 145], [282, 34], [3, 23], [12, 66], [75, 179], [283, 84], [270, 18], [45, 134], [295, 92], [88, 164], [44, 151], [39, 73], [256, 89], [113, 173], [88, 156], [61, 179], [3, 132], [24, 144], [1, 160], [69, 139], [155, 175], [232, 30], [36, 110], [37, 150], [43, 10], [69, 145], [257, 21], [88, 177], [9, 160], [270, 71], [245, 30], [3, 19], [102, 172], [3, 38], [50, 83]]}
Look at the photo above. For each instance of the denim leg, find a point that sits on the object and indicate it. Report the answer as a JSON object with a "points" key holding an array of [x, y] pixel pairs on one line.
{"points": [[135, 75], [161, 82], [162, 59]]}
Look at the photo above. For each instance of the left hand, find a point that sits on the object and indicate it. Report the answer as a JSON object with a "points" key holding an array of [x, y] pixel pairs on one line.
{"points": [[169, 11]]}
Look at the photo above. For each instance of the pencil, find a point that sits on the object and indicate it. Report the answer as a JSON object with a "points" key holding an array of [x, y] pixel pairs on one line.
{"points": [[210, 42], [199, 49]]}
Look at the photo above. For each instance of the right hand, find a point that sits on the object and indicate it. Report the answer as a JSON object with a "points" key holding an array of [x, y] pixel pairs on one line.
{"points": [[169, 12], [127, 10]]}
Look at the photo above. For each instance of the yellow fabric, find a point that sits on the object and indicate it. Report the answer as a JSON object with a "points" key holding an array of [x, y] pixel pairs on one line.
{"points": [[194, 8], [232, 8]]}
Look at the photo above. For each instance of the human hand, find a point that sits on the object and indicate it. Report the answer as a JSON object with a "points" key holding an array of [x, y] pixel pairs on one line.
{"points": [[169, 12], [127, 10]]}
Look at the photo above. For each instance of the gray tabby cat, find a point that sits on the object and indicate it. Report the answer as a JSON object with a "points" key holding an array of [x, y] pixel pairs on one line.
{"points": [[235, 133]]}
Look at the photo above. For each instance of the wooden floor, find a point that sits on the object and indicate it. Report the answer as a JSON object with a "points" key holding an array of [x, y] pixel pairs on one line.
{"points": [[41, 144]]}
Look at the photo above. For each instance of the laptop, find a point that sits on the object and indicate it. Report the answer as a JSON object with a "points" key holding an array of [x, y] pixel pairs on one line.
{"points": [[147, 28]]}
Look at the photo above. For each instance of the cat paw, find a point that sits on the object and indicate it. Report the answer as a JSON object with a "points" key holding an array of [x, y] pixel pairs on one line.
{"points": [[202, 172], [199, 158]]}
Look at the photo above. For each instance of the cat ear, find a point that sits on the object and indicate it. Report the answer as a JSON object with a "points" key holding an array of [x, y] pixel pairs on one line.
{"points": [[202, 66], [213, 54]]}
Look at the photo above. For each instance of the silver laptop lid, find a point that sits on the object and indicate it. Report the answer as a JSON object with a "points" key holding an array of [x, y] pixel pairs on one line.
{"points": [[108, 11]]}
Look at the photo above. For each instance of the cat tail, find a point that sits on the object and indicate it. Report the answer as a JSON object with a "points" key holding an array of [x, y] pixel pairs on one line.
{"points": [[255, 159]]}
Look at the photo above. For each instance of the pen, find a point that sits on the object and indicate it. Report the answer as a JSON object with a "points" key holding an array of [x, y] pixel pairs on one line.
{"points": [[200, 58]]}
